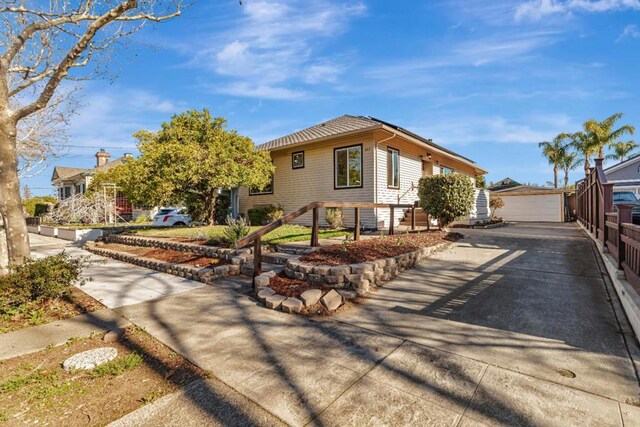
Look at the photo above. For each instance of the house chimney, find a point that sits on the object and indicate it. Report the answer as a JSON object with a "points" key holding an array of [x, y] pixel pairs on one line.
{"points": [[102, 157]]}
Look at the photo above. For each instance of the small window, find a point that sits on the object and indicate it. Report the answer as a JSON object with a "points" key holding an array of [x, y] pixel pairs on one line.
{"points": [[348, 167], [444, 170], [67, 192], [393, 168], [297, 160], [266, 190]]}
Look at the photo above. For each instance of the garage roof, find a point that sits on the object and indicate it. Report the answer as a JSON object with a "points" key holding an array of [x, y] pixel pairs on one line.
{"points": [[530, 190]]}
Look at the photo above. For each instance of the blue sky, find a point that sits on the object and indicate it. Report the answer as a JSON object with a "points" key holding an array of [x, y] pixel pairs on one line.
{"points": [[486, 79]]}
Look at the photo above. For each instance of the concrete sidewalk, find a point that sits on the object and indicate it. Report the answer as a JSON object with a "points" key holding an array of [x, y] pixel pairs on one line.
{"points": [[115, 283]]}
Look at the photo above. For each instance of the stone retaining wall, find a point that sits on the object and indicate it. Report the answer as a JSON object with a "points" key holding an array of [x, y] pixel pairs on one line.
{"points": [[201, 274], [351, 280], [236, 256]]}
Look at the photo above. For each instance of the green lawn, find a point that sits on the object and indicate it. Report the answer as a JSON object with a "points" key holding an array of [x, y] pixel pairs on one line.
{"points": [[284, 234]]}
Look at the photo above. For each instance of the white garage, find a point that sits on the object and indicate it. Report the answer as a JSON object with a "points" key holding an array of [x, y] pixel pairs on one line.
{"points": [[525, 203]]}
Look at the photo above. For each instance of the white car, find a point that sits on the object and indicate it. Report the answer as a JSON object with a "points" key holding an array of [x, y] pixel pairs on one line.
{"points": [[169, 217]]}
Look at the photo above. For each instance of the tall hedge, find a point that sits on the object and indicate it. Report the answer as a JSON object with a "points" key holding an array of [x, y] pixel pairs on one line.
{"points": [[446, 197]]}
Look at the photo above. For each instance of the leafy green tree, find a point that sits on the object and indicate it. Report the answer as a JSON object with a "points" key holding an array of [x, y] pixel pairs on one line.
{"points": [[446, 197], [30, 203], [621, 150], [481, 181], [190, 160], [495, 203], [604, 132], [554, 152]]}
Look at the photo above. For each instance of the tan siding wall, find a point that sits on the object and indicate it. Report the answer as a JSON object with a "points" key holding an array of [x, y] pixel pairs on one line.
{"points": [[295, 188], [410, 171]]}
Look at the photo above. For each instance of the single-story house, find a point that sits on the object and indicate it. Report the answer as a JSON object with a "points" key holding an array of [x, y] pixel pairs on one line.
{"points": [[69, 181], [625, 175], [355, 159], [531, 203]]}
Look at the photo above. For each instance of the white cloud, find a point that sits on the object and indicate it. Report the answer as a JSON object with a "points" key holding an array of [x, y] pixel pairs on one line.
{"points": [[538, 9], [630, 31], [495, 129], [274, 45]]}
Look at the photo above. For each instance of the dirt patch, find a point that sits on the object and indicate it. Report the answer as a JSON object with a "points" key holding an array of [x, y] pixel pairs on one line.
{"points": [[283, 285], [34, 389], [167, 255], [74, 303], [374, 249]]}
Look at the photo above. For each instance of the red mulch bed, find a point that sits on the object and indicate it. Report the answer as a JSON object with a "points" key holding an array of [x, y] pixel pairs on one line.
{"points": [[378, 248], [292, 287], [167, 255]]}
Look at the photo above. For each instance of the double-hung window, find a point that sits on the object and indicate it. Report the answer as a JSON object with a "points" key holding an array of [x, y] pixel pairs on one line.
{"points": [[348, 167], [444, 170], [393, 168]]}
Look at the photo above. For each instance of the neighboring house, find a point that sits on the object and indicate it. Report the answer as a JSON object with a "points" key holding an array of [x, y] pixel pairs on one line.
{"points": [[503, 184], [531, 203], [625, 175], [71, 181], [354, 159]]}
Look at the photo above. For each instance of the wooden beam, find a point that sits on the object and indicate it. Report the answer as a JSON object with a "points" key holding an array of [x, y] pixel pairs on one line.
{"points": [[257, 257], [315, 228], [356, 231], [391, 221]]}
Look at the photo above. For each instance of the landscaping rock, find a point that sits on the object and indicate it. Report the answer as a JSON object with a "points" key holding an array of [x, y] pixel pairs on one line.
{"points": [[270, 273], [306, 268], [334, 280], [362, 287], [261, 281], [363, 267], [311, 297], [332, 300], [292, 305], [315, 278], [263, 294], [322, 270], [299, 275], [353, 278], [340, 270], [289, 273], [274, 301], [236, 260], [348, 294], [90, 359], [113, 336]]}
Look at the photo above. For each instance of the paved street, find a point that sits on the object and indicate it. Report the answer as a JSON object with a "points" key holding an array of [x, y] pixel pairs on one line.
{"points": [[510, 326]]}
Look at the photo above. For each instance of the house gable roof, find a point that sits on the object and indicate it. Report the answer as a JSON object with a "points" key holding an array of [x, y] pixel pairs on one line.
{"points": [[504, 184], [626, 170], [530, 189], [348, 124], [66, 173]]}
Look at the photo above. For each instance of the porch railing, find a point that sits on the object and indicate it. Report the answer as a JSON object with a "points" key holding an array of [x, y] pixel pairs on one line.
{"points": [[596, 212], [256, 236]]}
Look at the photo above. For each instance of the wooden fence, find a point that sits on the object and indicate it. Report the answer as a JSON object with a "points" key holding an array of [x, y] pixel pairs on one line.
{"points": [[611, 225]]}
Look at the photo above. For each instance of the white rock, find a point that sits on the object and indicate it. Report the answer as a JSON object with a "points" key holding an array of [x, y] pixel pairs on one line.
{"points": [[90, 359], [292, 305], [311, 297], [264, 293], [332, 300], [274, 301]]}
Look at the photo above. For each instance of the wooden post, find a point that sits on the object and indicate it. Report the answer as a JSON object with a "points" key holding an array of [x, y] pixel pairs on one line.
{"points": [[428, 222], [607, 194], [624, 217], [356, 231], [257, 257], [597, 212], [413, 218], [391, 221], [315, 228]]}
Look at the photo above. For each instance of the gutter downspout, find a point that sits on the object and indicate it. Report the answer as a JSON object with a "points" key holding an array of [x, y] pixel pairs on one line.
{"points": [[375, 169]]}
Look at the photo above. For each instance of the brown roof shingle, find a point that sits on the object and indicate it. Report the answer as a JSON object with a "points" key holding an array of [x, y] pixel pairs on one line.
{"points": [[333, 127]]}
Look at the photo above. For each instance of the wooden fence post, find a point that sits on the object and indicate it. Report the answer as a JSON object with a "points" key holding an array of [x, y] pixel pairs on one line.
{"points": [[391, 221], [257, 257], [315, 228], [356, 231], [413, 217], [624, 217], [607, 195]]}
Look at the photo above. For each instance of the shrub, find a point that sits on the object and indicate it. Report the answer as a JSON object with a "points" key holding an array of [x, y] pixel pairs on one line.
{"points": [[480, 181], [495, 203], [38, 205], [39, 280], [236, 229], [334, 217], [260, 214], [446, 197], [276, 214], [223, 205]]}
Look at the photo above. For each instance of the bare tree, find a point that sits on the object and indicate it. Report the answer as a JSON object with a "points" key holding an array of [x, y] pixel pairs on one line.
{"points": [[44, 43]]}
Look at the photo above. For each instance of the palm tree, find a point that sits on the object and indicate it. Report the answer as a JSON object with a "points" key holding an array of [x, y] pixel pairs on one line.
{"points": [[554, 151], [569, 161], [585, 144], [621, 150], [604, 133]]}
